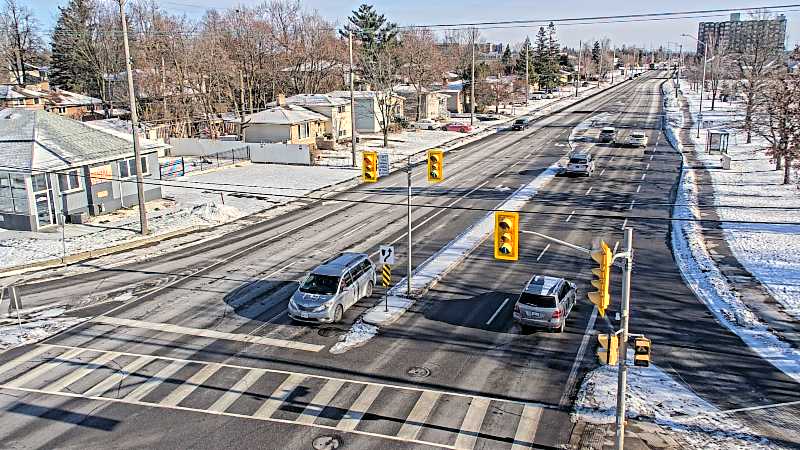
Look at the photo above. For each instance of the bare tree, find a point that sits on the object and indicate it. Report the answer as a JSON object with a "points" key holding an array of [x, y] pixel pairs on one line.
{"points": [[19, 38], [420, 59], [775, 118]]}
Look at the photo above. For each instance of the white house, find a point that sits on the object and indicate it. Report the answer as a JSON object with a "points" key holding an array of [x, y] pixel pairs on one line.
{"points": [[368, 115], [336, 109]]}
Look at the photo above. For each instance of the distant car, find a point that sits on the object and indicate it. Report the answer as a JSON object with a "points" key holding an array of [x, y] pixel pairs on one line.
{"points": [[545, 302], [580, 164], [607, 134], [521, 123], [637, 139], [538, 95], [426, 124], [459, 127], [486, 118]]}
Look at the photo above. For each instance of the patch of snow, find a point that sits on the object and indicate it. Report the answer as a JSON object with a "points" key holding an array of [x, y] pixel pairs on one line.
{"points": [[357, 336], [14, 335]]}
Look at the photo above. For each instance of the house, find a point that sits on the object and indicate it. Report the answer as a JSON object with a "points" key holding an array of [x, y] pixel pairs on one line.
{"points": [[289, 124], [336, 109], [432, 105], [34, 75], [455, 100], [72, 105], [52, 166], [12, 96], [368, 103]]}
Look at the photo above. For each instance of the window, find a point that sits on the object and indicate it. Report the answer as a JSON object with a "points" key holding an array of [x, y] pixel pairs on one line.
{"points": [[539, 301], [69, 181], [127, 167], [39, 182], [305, 130], [13, 197]]}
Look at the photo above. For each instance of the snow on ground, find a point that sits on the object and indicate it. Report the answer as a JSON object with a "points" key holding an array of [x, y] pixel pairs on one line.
{"points": [[653, 396], [709, 285], [357, 336], [35, 327], [770, 252]]}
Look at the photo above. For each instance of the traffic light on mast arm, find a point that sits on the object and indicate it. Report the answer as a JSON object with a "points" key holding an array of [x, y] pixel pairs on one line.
{"points": [[506, 235], [601, 297], [369, 167], [435, 165]]}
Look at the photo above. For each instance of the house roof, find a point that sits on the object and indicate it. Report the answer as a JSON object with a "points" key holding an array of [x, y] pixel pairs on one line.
{"points": [[13, 92], [315, 100], [35, 139], [408, 89], [358, 94], [284, 115], [60, 97]]}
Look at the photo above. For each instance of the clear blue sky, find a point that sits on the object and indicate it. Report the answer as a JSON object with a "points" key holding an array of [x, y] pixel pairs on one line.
{"points": [[447, 11]]}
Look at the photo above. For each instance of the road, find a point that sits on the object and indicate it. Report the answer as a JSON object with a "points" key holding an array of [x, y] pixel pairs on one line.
{"points": [[204, 356]]}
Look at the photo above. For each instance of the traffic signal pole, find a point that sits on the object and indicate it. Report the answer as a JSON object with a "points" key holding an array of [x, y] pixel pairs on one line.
{"points": [[408, 277], [622, 379]]}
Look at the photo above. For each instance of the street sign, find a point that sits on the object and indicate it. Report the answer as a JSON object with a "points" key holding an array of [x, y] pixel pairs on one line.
{"points": [[383, 164], [387, 254], [386, 275]]}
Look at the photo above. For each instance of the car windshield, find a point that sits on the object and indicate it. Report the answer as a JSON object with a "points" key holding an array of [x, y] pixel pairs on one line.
{"points": [[638, 135], [520, 121], [607, 130], [320, 284], [539, 301], [574, 160]]}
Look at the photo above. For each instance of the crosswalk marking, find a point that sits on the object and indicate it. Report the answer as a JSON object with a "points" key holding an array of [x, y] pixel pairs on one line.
{"points": [[418, 415], [153, 382], [357, 410], [280, 395], [471, 425], [183, 391], [322, 399], [23, 358], [82, 372], [526, 428], [43, 368], [236, 391], [117, 377]]}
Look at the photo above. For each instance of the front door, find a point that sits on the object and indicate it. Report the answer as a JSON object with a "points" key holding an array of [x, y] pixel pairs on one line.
{"points": [[41, 197]]}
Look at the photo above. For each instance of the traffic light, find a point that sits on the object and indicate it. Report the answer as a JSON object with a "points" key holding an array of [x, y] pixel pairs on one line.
{"points": [[608, 352], [601, 297], [369, 167], [506, 235], [435, 165], [641, 354]]}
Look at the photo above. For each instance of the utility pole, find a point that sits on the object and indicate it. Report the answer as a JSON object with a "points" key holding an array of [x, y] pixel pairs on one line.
{"points": [[408, 276], [527, 74], [600, 66], [580, 56], [137, 157], [471, 88], [613, 63], [622, 379], [352, 103]]}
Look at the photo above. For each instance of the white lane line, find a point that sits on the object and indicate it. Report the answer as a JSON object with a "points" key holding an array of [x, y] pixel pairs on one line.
{"points": [[570, 216], [279, 396], [498, 311], [43, 368], [648, 167], [589, 190], [357, 410], [624, 222], [612, 158], [471, 425], [500, 174], [323, 398], [236, 391], [526, 428], [153, 382], [418, 415], [644, 175], [602, 172], [632, 203], [77, 374], [616, 246], [117, 377], [211, 334], [573, 373], [187, 387], [354, 230], [280, 270], [638, 188], [651, 156], [23, 358], [543, 251]]}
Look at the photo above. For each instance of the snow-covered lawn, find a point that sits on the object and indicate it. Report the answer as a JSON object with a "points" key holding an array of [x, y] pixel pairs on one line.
{"points": [[653, 396], [35, 326]]}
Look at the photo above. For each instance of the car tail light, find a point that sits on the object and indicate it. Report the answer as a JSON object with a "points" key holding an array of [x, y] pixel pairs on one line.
{"points": [[557, 314]]}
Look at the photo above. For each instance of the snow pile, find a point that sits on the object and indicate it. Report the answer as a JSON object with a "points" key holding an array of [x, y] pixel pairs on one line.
{"points": [[357, 336], [214, 213], [35, 327], [653, 396]]}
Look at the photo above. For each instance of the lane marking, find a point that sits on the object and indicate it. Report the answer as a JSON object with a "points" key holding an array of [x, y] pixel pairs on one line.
{"points": [[648, 167], [652, 155], [279, 396], [526, 428], [498, 311], [76, 375], [118, 376], [589, 190], [602, 172], [159, 377], [616, 246], [323, 398], [573, 373], [43, 368], [357, 410], [624, 222], [632, 203], [643, 176], [570, 216], [543, 251], [23, 358], [237, 390], [638, 188], [471, 426], [418, 415], [211, 334], [187, 387]]}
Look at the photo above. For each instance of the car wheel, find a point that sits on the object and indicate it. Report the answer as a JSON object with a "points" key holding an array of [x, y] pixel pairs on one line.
{"points": [[337, 315], [369, 290]]}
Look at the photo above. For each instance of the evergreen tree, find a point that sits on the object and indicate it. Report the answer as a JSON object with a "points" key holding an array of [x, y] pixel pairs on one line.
{"points": [[371, 29], [555, 52], [519, 68], [542, 59], [71, 66], [596, 52], [506, 61]]}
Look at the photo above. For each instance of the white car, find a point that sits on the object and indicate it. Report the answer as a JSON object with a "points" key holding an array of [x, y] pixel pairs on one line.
{"points": [[426, 124], [637, 139], [580, 164]]}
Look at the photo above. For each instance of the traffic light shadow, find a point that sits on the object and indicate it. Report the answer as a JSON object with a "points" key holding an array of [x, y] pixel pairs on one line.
{"points": [[242, 299]]}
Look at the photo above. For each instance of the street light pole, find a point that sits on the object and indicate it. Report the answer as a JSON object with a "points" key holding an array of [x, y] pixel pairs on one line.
{"points": [[703, 83], [472, 86], [137, 157], [622, 379], [408, 276], [580, 56], [527, 75], [352, 102]]}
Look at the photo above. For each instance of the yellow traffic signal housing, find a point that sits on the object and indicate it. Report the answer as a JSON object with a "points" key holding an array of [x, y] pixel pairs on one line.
{"points": [[601, 296], [608, 352], [641, 354], [369, 167], [506, 235], [435, 165]]}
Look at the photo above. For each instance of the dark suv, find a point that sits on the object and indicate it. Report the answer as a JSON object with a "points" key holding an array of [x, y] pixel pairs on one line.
{"points": [[521, 123]]}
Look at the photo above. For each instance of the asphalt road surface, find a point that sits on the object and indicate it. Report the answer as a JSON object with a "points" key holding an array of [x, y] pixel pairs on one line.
{"points": [[205, 356]]}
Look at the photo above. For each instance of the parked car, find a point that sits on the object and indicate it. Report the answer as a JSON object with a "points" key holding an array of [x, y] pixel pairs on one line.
{"points": [[538, 95], [521, 123], [545, 302], [607, 134], [580, 164], [426, 124], [333, 287], [637, 139], [487, 118], [460, 127]]}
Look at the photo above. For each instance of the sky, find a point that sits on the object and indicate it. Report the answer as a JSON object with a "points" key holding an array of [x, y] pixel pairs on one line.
{"points": [[651, 34]]}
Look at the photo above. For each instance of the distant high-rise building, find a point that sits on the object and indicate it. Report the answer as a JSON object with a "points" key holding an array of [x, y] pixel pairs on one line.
{"points": [[736, 35]]}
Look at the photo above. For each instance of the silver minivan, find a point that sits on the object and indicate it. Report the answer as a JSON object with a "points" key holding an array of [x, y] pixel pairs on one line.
{"points": [[545, 302], [333, 287]]}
